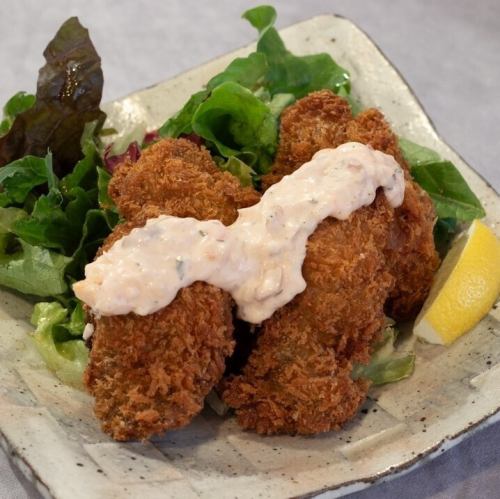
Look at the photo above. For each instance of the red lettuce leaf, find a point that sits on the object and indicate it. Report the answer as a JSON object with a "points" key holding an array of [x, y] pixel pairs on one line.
{"points": [[133, 153], [151, 137], [68, 95], [194, 138]]}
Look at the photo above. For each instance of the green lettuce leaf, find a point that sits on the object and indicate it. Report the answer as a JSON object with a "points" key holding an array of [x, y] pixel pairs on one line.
{"points": [[449, 191], [239, 169], [84, 173], [8, 217], [78, 203], [390, 370], [262, 18], [445, 230], [452, 197], [16, 105], [248, 71], [105, 201], [180, 123], [287, 72], [386, 365], [107, 205], [235, 121], [68, 96], [416, 154], [96, 228], [56, 222], [20, 177], [48, 224], [54, 339], [280, 102], [75, 325], [34, 270]]}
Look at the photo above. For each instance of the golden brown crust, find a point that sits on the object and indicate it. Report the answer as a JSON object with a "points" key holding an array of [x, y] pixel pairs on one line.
{"points": [[298, 379], [151, 373], [410, 251], [178, 177], [306, 126], [322, 119]]}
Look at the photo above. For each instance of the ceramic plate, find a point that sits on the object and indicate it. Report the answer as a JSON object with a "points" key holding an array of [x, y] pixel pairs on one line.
{"points": [[53, 437]]}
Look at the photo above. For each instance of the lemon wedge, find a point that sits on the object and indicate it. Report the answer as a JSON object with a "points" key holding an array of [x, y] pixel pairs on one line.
{"points": [[464, 288]]}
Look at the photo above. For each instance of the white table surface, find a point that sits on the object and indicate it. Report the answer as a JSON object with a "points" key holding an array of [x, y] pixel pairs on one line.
{"points": [[449, 52]]}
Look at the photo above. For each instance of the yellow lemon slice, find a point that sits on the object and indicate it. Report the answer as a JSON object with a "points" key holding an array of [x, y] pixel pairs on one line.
{"points": [[464, 288]]}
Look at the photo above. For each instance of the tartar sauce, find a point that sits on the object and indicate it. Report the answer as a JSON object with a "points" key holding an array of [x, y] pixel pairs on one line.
{"points": [[88, 331], [258, 259]]}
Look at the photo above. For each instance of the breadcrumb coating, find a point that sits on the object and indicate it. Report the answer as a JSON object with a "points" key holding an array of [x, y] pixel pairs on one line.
{"points": [[179, 178], [151, 373], [298, 378]]}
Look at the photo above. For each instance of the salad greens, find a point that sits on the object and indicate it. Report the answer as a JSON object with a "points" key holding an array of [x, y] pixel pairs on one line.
{"points": [[68, 94], [453, 199], [386, 365], [20, 177], [235, 121], [58, 339], [55, 210], [33, 270], [54, 207], [237, 113], [452, 196], [238, 168], [16, 105], [288, 73]]}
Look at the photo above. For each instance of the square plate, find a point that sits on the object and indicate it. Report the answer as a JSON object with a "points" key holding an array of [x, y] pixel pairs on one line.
{"points": [[52, 435]]}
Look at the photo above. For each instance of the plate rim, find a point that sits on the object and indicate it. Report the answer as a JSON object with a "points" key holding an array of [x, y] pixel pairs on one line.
{"points": [[400, 470]]}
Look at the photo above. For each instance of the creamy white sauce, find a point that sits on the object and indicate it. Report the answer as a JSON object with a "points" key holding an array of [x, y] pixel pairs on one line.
{"points": [[258, 259], [88, 331]]}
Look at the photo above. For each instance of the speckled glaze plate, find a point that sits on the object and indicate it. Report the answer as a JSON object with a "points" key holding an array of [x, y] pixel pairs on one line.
{"points": [[50, 431]]}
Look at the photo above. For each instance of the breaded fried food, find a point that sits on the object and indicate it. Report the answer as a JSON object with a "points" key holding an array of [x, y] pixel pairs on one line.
{"points": [[317, 121], [323, 120], [151, 373], [298, 379], [191, 186], [410, 252]]}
